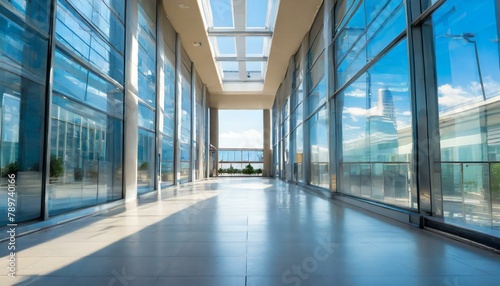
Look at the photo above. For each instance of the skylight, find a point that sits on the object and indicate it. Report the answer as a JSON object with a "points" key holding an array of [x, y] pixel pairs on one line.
{"points": [[240, 33]]}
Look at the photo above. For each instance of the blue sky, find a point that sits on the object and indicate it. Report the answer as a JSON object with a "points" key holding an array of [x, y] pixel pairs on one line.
{"points": [[223, 17], [240, 128]]}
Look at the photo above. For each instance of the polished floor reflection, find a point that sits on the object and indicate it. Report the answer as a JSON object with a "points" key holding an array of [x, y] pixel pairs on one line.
{"points": [[244, 231]]}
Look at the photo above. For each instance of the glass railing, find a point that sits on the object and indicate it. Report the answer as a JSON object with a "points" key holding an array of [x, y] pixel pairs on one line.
{"points": [[240, 162]]}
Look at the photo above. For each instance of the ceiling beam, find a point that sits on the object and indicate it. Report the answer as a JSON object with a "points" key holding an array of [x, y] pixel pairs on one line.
{"points": [[240, 23], [232, 33], [241, 59]]}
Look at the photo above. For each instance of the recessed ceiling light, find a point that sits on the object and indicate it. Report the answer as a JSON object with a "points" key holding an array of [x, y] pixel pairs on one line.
{"points": [[197, 44], [182, 6]]}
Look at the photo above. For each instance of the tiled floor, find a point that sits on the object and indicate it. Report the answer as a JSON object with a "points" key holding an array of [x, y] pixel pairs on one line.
{"points": [[244, 232]]}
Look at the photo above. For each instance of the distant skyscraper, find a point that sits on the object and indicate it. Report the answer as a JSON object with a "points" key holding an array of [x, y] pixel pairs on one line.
{"points": [[381, 136], [386, 104]]}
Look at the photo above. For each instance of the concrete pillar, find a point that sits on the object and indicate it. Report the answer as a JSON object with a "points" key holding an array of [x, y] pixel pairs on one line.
{"points": [[268, 155], [130, 129], [214, 136]]}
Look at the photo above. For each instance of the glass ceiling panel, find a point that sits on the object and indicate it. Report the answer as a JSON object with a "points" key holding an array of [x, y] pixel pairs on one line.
{"points": [[254, 66], [255, 46], [232, 39], [226, 46], [222, 13], [230, 66], [257, 13]]}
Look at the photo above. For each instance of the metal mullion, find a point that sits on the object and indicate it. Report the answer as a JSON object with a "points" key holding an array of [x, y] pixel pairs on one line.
{"points": [[427, 13], [48, 110]]}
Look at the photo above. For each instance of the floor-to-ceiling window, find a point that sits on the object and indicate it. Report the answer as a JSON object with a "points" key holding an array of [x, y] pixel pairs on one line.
{"points": [[464, 37], [317, 115], [185, 152], [168, 111], [276, 138], [197, 142], [285, 142], [297, 117], [87, 106], [375, 105], [24, 28], [146, 66]]}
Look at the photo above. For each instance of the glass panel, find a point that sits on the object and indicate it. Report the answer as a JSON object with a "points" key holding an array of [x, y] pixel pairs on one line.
{"points": [[244, 156], [77, 82], [109, 21], [145, 161], [86, 152], [370, 30], [146, 117], [300, 93], [22, 49], [230, 67], [286, 158], [226, 46], [74, 33], [257, 13], [169, 94], [222, 13], [377, 132], [317, 48], [318, 125], [299, 154], [186, 118], [317, 72], [317, 96], [21, 125], [185, 163], [254, 67], [254, 45], [495, 194], [167, 161], [465, 41], [35, 12], [343, 11], [146, 58]]}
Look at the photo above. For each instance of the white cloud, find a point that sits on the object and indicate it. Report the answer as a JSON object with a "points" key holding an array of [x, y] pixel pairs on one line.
{"points": [[251, 138], [356, 93], [402, 123], [406, 113], [350, 127], [451, 96], [356, 111]]}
